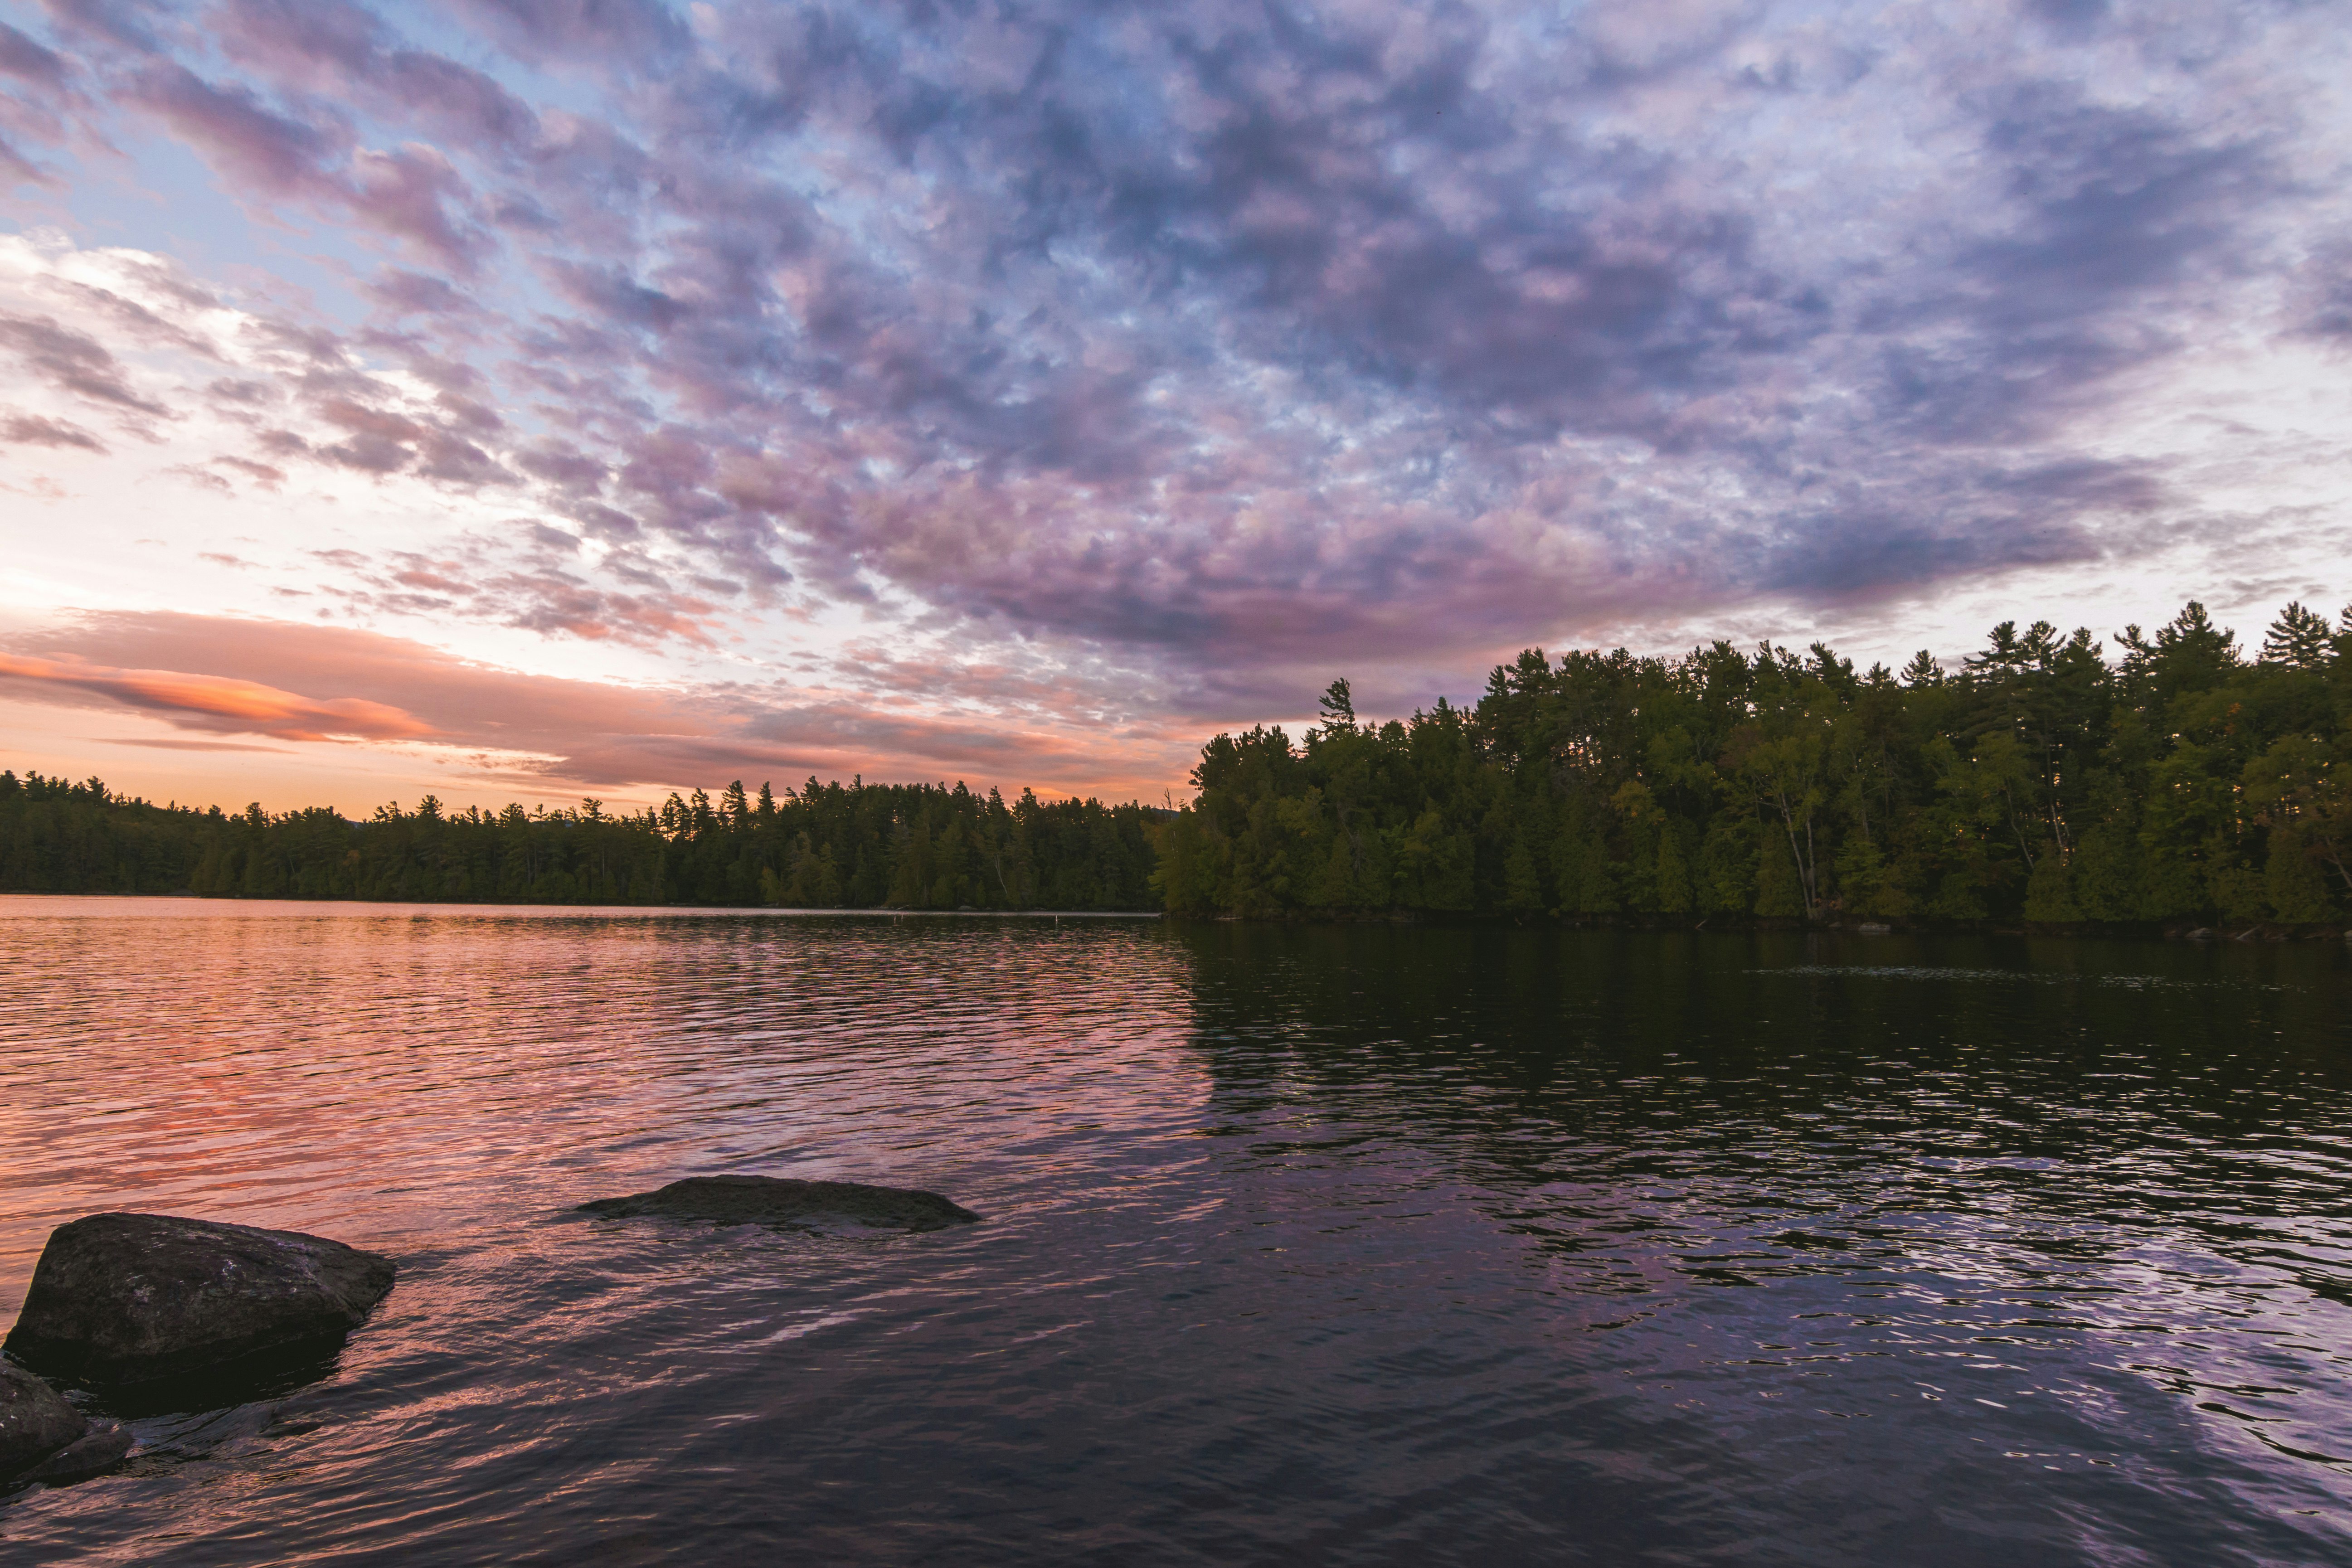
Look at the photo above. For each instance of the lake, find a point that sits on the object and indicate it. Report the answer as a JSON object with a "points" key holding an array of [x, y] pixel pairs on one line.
{"points": [[1330, 1245]]}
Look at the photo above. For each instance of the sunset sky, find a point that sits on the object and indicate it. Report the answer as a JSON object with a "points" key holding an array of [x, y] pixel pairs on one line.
{"points": [[540, 398]]}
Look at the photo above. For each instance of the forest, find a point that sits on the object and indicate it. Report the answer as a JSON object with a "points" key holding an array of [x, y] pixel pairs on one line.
{"points": [[833, 846], [2039, 783]]}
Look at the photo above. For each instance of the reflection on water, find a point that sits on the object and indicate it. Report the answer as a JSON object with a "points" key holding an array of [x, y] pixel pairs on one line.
{"points": [[1344, 1244], [2014, 976]]}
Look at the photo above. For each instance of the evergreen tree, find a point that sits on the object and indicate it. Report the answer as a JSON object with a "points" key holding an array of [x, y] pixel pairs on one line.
{"points": [[2034, 782]]}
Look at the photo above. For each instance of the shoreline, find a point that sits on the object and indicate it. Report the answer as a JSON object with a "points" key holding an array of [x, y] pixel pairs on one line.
{"points": [[2268, 933], [469, 906]]}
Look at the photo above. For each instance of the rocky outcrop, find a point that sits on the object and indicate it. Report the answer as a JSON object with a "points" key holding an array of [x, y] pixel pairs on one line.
{"points": [[35, 1421], [106, 1445], [776, 1199], [42, 1438], [126, 1299]]}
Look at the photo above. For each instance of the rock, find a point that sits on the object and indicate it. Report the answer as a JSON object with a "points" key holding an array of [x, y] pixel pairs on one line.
{"points": [[777, 1200], [1872, 927], [120, 1298], [35, 1421], [97, 1451]]}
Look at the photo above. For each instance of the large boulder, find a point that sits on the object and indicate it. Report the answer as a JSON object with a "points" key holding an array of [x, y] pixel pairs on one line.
{"points": [[35, 1421], [127, 1298], [778, 1200]]}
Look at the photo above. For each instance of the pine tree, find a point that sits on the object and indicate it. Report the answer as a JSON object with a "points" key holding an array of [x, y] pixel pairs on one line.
{"points": [[2298, 638]]}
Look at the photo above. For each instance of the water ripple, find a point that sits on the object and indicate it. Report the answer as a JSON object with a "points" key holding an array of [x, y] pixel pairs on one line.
{"points": [[1349, 1245]]}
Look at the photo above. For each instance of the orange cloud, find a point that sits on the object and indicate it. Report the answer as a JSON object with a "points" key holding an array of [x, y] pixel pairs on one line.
{"points": [[538, 732], [220, 703]]}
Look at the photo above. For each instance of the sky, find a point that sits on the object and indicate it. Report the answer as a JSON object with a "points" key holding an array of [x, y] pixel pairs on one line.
{"points": [[537, 399]]}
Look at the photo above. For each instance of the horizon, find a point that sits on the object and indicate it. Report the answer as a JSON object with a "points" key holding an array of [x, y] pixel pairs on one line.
{"points": [[2247, 649], [524, 400]]}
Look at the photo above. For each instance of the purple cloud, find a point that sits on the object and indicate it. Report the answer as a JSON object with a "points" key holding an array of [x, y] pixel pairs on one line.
{"points": [[326, 47], [1217, 344], [26, 61], [616, 35], [34, 431], [73, 362], [274, 154]]}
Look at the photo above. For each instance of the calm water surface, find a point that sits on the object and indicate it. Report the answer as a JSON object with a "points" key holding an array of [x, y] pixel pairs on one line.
{"points": [[1348, 1245]]}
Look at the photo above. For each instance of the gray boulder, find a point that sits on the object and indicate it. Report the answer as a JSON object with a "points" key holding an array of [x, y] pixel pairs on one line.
{"points": [[126, 1299], [35, 1421], [778, 1200]]}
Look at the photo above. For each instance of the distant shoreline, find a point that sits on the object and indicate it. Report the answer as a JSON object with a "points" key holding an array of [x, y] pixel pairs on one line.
{"points": [[2231, 933], [469, 905]]}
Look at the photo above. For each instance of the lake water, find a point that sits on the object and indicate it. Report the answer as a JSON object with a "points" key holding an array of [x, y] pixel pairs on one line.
{"points": [[1301, 1244]]}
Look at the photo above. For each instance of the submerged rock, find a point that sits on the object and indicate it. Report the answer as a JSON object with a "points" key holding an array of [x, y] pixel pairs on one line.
{"points": [[35, 1421], [127, 1298], [779, 1200], [106, 1445]]}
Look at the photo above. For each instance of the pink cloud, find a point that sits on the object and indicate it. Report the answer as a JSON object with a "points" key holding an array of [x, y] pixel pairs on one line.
{"points": [[35, 430], [28, 62], [412, 193], [73, 362], [217, 702], [245, 139], [223, 676]]}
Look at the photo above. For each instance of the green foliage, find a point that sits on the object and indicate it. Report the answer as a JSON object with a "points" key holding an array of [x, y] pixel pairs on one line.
{"points": [[61, 838], [2037, 782], [825, 847]]}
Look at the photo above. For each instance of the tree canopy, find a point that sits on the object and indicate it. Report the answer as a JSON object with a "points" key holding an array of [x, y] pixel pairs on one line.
{"points": [[829, 845], [2036, 782]]}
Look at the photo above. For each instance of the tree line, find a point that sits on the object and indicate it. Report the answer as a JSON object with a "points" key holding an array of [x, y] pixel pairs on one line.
{"points": [[830, 846], [2040, 782], [2185, 779]]}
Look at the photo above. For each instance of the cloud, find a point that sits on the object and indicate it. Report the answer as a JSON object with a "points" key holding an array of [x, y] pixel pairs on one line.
{"points": [[26, 61], [262, 151], [326, 47], [43, 99], [74, 363], [621, 35], [222, 675], [1184, 351], [269, 155], [35, 430], [207, 701], [262, 474]]}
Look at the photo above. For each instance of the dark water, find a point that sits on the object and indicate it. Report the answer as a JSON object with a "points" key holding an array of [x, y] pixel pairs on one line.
{"points": [[1302, 1246]]}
